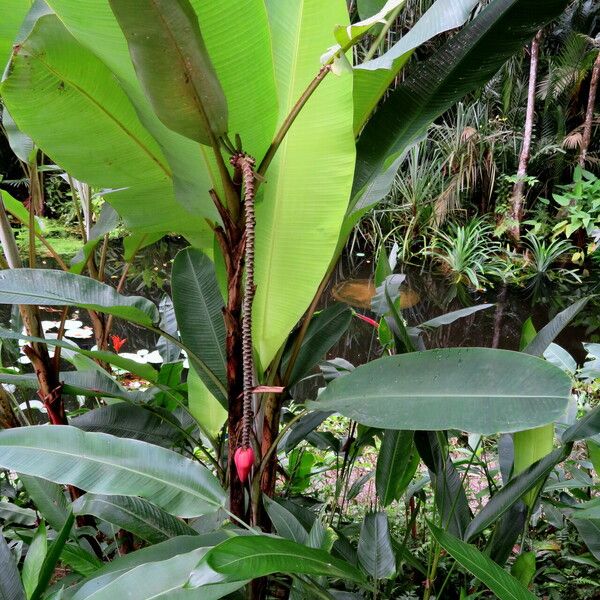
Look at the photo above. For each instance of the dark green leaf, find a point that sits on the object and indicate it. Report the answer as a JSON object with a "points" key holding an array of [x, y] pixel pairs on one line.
{"points": [[199, 310], [494, 577], [304, 427], [125, 420], [358, 485], [373, 77], [375, 551], [548, 333], [285, 522], [514, 490], [449, 493], [506, 532], [589, 530], [395, 465], [450, 317], [168, 323], [455, 388], [142, 518], [80, 560], [584, 428], [171, 61], [10, 581], [49, 499], [367, 8], [404, 555], [324, 331], [303, 514]]}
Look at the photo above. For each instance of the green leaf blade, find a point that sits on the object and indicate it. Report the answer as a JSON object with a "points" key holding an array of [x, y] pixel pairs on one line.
{"points": [[457, 388], [309, 200], [171, 61], [104, 464], [136, 515], [199, 310], [486, 570], [248, 557]]}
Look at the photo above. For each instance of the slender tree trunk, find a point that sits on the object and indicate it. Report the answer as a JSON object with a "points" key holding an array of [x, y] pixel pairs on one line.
{"points": [[518, 193], [231, 241], [271, 419], [8, 418], [589, 114], [50, 389], [235, 413], [500, 305]]}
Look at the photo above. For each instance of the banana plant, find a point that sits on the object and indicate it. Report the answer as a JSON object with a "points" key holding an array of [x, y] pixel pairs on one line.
{"points": [[247, 129], [194, 128]]}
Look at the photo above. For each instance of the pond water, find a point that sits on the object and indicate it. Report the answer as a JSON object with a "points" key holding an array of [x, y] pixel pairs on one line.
{"points": [[429, 294]]}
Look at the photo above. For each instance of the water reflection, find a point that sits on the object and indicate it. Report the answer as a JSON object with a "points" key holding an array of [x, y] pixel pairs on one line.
{"points": [[427, 295], [359, 293]]}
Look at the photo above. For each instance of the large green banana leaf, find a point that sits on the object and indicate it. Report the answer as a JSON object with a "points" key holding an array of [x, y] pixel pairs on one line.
{"points": [[307, 185], [71, 104], [13, 13], [238, 40], [49, 287], [95, 27], [171, 61]]}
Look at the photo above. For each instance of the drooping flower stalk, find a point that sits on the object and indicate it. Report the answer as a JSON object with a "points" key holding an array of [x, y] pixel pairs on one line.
{"points": [[245, 165]]}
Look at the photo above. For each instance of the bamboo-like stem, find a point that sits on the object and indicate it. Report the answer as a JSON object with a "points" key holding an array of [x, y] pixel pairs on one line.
{"points": [[518, 192], [61, 263], [32, 200], [103, 254], [9, 246], [61, 333], [120, 285], [82, 228], [589, 113]]}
